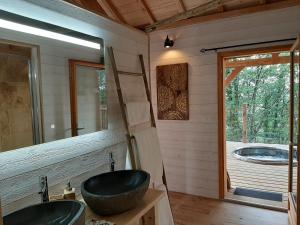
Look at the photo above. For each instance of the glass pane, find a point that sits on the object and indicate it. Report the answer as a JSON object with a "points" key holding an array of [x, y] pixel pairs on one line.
{"points": [[257, 104], [91, 99], [296, 118], [296, 101]]}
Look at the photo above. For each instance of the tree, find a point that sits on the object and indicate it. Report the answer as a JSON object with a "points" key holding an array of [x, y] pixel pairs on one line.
{"points": [[266, 91]]}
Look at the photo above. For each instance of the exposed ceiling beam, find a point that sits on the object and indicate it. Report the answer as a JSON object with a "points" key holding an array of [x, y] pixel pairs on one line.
{"points": [[92, 5], [148, 10], [229, 14], [142, 26], [116, 11], [275, 56], [106, 15], [296, 43], [221, 8], [198, 11], [181, 5], [110, 13], [240, 65], [258, 62], [76, 1]]}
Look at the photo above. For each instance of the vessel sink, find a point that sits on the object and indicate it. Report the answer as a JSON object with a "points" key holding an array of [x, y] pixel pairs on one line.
{"points": [[115, 192], [51, 213]]}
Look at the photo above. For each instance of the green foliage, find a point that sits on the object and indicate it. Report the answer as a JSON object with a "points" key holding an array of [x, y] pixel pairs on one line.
{"points": [[265, 89], [102, 85]]}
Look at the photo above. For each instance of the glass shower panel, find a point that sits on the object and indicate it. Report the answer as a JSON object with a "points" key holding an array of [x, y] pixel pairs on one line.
{"points": [[91, 99], [296, 121]]}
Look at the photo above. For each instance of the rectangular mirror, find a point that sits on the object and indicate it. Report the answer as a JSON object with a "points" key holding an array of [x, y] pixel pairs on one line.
{"points": [[36, 105]]}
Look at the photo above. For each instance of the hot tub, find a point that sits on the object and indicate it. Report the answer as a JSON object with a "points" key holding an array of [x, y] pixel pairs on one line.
{"points": [[263, 155]]}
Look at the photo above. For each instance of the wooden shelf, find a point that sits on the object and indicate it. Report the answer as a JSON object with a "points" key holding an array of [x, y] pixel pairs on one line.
{"points": [[148, 203]]}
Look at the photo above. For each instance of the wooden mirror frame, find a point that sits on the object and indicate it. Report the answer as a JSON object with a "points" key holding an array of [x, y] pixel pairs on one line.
{"points": [[73, 89]]}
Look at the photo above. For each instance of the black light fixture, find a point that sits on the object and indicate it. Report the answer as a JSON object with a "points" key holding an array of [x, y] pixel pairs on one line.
{"points": [[168, 43]]}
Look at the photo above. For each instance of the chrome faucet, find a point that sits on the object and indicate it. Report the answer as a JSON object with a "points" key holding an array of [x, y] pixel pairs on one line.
{"points": [[112, 162], [44, 189]]}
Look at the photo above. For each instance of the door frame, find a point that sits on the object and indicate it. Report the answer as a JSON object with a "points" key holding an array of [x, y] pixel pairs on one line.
{"points": [[221, 107], [293, 207], [73, 63]]}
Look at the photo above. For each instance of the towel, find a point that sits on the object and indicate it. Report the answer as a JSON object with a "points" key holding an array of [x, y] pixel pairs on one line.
{"points": [[133, 88], [148, 153], [150, 160], [138, 112]]}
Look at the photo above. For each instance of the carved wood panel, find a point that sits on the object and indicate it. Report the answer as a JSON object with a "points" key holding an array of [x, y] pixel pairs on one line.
{"points": [[172, 92]]}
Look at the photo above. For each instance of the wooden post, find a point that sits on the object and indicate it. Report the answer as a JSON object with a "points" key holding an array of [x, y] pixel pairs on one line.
{"points": [[245, 132], [122, 104], [1, 218]]}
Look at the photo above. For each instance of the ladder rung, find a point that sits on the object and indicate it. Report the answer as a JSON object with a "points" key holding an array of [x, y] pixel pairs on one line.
{"points": [[129, 73]]}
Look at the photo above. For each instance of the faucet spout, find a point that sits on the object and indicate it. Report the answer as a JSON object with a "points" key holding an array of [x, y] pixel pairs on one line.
{"points": [[44, 189], [112, 162]]}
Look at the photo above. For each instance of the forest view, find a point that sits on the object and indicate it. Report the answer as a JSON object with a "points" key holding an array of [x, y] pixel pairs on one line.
{"points": [[265, 91]]}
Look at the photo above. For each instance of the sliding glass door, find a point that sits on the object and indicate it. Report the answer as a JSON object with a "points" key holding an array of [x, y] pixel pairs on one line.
{"points": [[294, 172]]}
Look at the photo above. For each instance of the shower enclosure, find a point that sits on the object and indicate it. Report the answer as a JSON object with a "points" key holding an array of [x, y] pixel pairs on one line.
{"points": [[20, 120]]}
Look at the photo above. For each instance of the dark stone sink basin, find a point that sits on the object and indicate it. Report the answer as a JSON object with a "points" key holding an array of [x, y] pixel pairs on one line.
{"points": [[115, 192], [51, 213]]}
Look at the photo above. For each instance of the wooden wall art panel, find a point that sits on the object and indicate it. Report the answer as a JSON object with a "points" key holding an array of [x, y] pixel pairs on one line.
{"points": [[172, 92]]}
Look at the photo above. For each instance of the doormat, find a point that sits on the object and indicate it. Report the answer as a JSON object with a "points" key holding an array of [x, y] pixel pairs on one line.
{"points": [[273, 196]]}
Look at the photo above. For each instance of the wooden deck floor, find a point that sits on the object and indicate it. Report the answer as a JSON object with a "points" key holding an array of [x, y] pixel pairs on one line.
{"points": [[194, 210], [272, 178]]}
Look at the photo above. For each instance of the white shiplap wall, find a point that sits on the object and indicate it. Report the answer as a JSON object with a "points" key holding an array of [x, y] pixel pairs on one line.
{"points": [[190, 148], [75, 158]]}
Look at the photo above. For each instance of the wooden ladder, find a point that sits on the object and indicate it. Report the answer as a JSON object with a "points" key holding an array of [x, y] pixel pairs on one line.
{"points": [[129, 137]]}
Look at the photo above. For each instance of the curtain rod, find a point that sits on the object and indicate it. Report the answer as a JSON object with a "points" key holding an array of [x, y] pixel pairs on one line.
{"points": [[203, 50]]}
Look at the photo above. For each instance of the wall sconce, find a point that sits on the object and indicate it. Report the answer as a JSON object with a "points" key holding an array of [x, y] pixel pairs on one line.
{"points": [[168, 43]]}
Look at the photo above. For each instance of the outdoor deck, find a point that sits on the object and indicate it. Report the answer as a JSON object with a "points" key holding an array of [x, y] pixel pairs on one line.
{"points": [[272, 178]]}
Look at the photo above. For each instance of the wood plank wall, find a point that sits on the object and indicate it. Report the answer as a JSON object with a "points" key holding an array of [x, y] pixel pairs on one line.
{"points": [[190, 148], [77, 158]]}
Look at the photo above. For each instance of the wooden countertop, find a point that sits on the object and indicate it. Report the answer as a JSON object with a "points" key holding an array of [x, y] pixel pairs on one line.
{"points": [[151, 198]]}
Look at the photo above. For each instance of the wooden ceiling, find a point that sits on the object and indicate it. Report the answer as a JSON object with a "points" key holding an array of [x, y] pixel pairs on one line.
{"points": [[149, 15]]}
